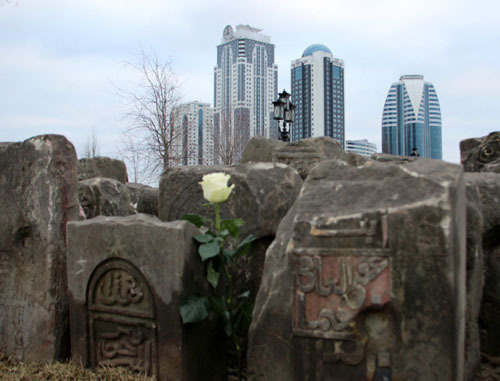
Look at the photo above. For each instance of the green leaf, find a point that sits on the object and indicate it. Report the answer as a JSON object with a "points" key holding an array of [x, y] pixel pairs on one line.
{"points": [[224, 234], [229, 254], [245, 294], [218, 304], [228, 327], [212, 275], [196, 220], [244, 246], [233, 226], [204, 238], [245, 310], [194, 309], [209, 250]]}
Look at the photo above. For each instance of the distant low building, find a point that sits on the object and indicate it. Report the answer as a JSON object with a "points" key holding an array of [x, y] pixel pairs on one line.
{"points": [[361, 147]]}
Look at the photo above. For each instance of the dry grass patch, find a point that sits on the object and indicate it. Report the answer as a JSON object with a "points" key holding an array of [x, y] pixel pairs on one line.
{"points": [[13, 370]]}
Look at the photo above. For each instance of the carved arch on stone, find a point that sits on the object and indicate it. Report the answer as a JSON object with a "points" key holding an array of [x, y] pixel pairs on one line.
{"points": [[122, 319]]}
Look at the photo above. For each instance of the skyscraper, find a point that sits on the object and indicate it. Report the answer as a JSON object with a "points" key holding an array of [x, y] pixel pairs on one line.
{"points": [[195, 140], [246, 84], [317, 80], [412, 118]]}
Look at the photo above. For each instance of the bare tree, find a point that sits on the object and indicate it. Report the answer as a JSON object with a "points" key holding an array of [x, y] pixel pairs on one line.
{"points": [[91, 148], [152, 133], [228, 144]]}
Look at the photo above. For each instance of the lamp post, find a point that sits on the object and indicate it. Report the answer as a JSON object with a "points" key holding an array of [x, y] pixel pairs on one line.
{"points": [[284, 110]]}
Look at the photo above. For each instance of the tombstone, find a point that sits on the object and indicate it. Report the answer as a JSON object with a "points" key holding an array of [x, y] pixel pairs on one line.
{"points": [[148, 201], [366, 277], [481, 154], [262, 195], [260, 149], [302, 155], [38, 195], [474, 277], [488, 187], [102, 167], [127, 277], [305, 154], [102, 196]]}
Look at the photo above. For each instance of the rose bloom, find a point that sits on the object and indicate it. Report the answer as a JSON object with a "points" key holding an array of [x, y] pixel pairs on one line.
{"points": [[215, 187]]}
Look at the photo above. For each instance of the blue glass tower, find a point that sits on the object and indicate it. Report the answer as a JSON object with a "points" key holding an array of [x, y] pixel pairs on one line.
{"points": [[317, 80], [412, 118]]}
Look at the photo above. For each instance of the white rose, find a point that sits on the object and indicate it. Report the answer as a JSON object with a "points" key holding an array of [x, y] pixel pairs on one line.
{"points": [[215, 187]]}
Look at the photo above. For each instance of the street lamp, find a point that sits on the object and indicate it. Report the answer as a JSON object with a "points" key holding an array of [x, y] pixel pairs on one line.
{"points": [[284, 110]]}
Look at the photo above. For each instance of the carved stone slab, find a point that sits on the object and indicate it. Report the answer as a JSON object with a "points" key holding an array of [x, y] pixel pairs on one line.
{"points": [[127, 277], [122, 318], [366, 277], [331, 290], [302, 159]]}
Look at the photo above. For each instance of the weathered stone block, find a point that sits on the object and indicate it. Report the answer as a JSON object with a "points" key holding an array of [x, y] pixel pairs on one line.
{"points": [[102, 196], [135, 191], [38, 195], [102, 167], [488, 187], [148, 201], [305, 154], [302, 155], [474, 278], [127, 277], [263, 194], [481, 154], [260, 149], [366, 277]]}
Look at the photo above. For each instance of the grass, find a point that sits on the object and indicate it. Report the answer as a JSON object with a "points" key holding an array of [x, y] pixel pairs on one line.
{"points": [[13, 370]]}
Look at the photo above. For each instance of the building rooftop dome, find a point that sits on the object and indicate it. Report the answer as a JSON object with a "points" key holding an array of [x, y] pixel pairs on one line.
{"points": [[315, 48]]}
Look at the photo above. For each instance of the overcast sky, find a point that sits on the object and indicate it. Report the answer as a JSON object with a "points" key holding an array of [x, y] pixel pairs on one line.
{"points": [[61, 61]]}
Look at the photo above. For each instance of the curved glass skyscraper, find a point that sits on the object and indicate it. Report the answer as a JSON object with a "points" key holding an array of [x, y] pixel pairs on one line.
{"points": [[412, 119]]}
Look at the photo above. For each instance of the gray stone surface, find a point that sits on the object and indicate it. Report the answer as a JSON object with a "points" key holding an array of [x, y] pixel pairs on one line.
{"points": [[102, 196], [481, 154], [387, 158], [488, 187], [262, 196], [305, 154], [102, 167], [38, 195], [127, 278], [260, 149], [4, 145], [135, 191], [366, 277], [475, 277], [148, 201]]}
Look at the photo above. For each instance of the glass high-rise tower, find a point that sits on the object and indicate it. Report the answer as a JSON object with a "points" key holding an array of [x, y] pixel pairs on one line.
{"points": [[317, 80], [245, 85], [412, 119]]}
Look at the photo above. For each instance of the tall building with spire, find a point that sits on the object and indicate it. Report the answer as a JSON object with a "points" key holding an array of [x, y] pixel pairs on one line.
{"points": [[317, 80], [245, 85], [412, 119]]}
